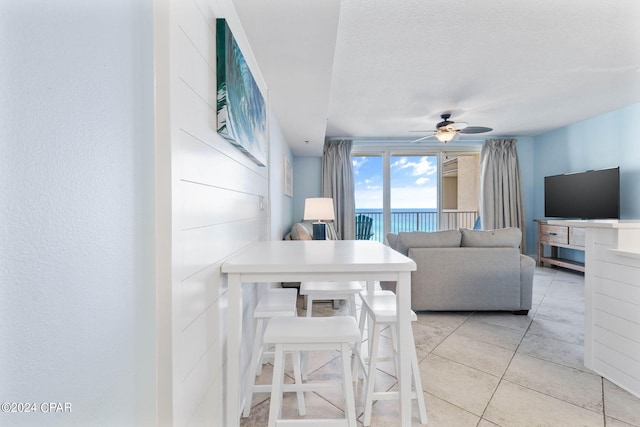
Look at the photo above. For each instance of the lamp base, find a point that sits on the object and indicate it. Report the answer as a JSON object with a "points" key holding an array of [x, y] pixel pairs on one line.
{"points": [[319, 231]]}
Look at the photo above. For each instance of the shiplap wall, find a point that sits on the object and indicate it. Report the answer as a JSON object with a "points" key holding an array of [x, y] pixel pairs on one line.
{"points": [[215, 211], [612, 298]]}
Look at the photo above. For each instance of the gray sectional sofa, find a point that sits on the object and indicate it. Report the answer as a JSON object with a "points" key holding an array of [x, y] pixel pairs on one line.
{"points": [[466, 270]]}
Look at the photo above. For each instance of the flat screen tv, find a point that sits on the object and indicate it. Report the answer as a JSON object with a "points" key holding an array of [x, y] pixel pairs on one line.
{"points": [[592, 194]]}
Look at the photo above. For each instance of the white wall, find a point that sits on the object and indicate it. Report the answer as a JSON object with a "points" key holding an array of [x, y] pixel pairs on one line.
{"points": [[77, 291], [215, 208]]}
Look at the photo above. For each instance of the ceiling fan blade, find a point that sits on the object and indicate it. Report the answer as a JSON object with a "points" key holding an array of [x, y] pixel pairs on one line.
{"points": [[475, 129], [423, 138]]}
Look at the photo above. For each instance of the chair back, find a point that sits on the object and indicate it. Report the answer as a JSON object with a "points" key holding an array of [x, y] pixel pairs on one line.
{"points": [[363, 227]]}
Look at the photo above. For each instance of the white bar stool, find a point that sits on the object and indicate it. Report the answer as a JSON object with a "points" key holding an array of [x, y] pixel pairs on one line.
{"points": [[312, 334], [380, 310], [274, 303], [330, 291]]}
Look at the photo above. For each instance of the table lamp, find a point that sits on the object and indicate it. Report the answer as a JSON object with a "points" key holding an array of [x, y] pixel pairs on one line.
{"points": [[319, 209]]}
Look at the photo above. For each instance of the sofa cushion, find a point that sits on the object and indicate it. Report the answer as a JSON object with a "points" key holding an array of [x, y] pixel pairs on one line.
{"points": [[510, 237], [427, 239]]}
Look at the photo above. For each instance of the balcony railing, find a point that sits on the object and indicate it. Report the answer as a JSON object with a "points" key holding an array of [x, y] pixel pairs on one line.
{"points": [[420, 221]]}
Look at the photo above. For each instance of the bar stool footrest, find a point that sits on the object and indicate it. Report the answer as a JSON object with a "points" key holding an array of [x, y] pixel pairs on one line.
{"points": [[389, 395]]}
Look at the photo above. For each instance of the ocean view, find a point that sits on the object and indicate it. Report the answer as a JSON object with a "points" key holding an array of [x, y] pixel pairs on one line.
{"points": [[416, 219], [402, 220]]}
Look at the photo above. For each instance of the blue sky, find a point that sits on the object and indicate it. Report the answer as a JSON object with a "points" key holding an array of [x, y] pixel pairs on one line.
{"points": [[413, 182]]}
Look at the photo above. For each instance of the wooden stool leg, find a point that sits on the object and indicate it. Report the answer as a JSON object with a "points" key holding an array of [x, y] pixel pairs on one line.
{"points": [[417, 382], [305, 356], [394, 345], [309, 305], [352, 305], [295, 358], [349, 399], [260, 330], [256, 358], [355, 367], [275, 407], [371, 376]]}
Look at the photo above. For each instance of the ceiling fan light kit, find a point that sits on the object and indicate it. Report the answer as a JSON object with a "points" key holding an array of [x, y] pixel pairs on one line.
{"points": [[446, 135]]}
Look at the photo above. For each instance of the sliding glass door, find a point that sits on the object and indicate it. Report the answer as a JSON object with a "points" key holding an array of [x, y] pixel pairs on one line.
{"points": [[413, 191]]}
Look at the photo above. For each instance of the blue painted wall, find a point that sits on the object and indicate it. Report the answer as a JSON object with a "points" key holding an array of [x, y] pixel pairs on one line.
{"points": [[307, 182], [608, 140]]}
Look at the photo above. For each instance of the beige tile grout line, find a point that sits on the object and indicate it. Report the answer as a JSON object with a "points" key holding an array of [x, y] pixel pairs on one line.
{"points": [[553, 397]]}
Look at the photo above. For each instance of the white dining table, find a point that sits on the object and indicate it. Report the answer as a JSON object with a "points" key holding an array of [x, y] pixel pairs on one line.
{"points": [[316, 260]]}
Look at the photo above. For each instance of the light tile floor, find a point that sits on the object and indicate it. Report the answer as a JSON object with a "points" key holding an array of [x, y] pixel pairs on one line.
{"points": [[488, 369]]}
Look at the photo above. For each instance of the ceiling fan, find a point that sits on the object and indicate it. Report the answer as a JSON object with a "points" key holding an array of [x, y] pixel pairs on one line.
{"points": [[447, 130]]}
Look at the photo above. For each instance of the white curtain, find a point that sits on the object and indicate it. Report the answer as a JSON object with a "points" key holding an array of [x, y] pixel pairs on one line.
{"points": [[501, 202], [337, 183]]}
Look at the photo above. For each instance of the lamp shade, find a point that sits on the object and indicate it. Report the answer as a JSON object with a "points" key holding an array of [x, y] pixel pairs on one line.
{"points": [[319, 209]]}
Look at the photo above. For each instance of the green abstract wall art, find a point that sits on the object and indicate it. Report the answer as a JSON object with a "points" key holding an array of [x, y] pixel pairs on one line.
{"points": [[240, 111]]}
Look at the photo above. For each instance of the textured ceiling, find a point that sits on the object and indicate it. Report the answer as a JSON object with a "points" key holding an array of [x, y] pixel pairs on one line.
{"points": [[380, 69]]}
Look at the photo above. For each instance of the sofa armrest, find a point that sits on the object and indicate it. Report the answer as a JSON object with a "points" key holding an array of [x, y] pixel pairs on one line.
{"points": [[527, 267]]}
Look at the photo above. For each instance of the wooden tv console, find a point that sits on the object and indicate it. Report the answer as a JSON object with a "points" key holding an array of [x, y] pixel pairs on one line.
{"points": [[559, 236]]}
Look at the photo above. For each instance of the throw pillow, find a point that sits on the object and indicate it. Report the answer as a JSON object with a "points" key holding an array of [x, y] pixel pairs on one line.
{"points": [[427, 239], [330, 231], [501, 238], [299, 231]]}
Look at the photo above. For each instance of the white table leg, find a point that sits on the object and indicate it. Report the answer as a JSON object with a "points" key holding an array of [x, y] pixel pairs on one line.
{"points": [[403, 301], [234, 335]]}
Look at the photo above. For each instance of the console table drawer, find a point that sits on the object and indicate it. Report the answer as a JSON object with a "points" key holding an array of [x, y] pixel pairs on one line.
{"points": [[557, 234], [558, 237]]}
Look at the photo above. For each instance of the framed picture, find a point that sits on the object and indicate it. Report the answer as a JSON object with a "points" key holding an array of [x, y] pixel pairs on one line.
{"points": [[288, 177], [240, 111]]}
